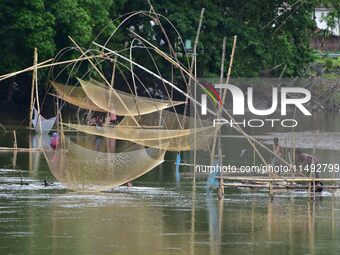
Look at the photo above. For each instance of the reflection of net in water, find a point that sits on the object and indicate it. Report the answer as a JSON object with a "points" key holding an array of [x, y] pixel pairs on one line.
{"points": [[82, 169]]}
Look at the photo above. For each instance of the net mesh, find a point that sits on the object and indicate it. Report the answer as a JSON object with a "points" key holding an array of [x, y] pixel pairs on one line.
{"points": [[46, 124], [83, 169], [121, 103], [166, 135], [76, 96]]}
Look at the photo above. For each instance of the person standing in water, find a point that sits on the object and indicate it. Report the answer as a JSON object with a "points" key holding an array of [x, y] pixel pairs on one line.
{"points": [[278, 152], [303, 160], [54, 141]]}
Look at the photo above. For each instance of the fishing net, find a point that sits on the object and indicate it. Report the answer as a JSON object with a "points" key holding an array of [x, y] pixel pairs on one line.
{"points": [[76, 96], [171, 140], [164, 119], [46, 124], [157, 130], [83, 169], [121, 103]]}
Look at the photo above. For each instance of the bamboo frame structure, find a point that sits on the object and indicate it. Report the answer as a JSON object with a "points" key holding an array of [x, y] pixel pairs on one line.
{"points": [[249, 138], [192, 74], [193, 67], [224, 90], [274, 184], [19, 149]]}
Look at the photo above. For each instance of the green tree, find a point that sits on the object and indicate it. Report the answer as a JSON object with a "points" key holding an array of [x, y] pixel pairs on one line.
{"points": [[25, 25], [270, 33], [46, 25]]}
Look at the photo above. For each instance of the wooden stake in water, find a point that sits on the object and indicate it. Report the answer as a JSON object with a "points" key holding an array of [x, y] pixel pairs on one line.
{"points": [[15, 151], [15, 145]]}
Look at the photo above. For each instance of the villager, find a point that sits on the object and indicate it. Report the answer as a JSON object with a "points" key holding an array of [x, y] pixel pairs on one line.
{"points": [[278, 152], [54, 141], [306, 163]]}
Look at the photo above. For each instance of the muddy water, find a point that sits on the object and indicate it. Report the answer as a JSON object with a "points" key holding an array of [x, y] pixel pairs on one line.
{"points": [[164, 214]]}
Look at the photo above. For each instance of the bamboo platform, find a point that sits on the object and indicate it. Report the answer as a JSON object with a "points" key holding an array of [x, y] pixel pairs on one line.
{"points": [[281, 187], [277, 183], [282, 179], [20, 149], [54, 130]]}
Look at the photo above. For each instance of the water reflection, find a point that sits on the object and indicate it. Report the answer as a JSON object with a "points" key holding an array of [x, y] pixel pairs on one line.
{"points": [[164, 221], [35, 157], [215, 218], [97, 229], [156, 217]]}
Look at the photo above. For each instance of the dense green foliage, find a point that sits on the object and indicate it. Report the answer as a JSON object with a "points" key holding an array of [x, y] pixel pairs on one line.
{"points": [[273, 36], [46, 24], [262, 44]]}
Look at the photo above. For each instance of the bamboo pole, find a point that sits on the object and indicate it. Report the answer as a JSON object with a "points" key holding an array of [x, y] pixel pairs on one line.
{"points": [[221, 188], [102, 76], [15, 152], [221, 80], [28, 69], [276, 187], [193, 60], [195, 120], [221, 184], [171, 49], [15, 140], [108, 116], [290, 179], [220, 204], [313, 174], [19, 149], [30, 160], [236, 126], [220, 90], [271, 190], [224, 91], [35, 60], [45, 64], [193, 68], [36, 88], [14, 162]]}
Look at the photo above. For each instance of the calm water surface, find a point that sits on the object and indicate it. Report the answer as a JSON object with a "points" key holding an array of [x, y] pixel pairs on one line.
{"points": [[164, 214]]}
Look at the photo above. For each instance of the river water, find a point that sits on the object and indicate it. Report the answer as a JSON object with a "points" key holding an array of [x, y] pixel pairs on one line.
{"points": [[164, 213]]}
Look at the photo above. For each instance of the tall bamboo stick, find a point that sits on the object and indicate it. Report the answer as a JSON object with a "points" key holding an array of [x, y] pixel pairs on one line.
{"points": [[224, 93], [224, 46], [36, 88], [249, 138], [45, 64], [15, 145], [35, 60], [103, 77], [220, 110]]}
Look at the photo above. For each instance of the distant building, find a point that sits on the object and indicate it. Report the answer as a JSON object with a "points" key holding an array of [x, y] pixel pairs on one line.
{"points": [[325, 38], [319, 16]]}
